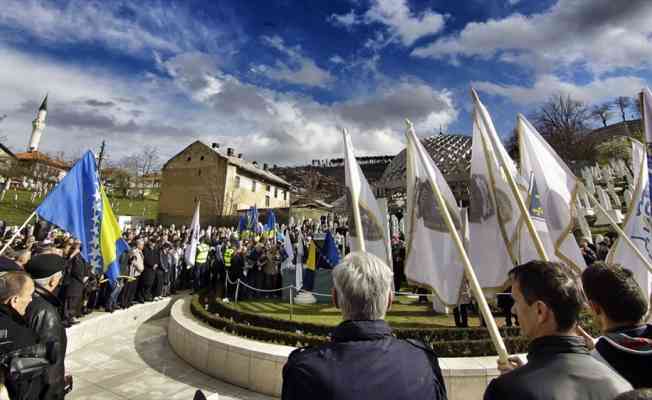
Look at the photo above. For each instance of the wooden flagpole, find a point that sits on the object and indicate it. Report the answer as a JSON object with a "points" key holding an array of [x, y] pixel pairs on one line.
{"points": [[468, 269], [512, 185], [17, 232]]}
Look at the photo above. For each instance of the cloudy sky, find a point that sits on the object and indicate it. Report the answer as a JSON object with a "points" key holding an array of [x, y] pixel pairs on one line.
{"points": [[278, 79]]}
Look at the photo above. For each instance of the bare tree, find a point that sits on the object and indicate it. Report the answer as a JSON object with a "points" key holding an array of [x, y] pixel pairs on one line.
{"points": [[563, 122], [149, 160], [601, 112], [623, 103]]}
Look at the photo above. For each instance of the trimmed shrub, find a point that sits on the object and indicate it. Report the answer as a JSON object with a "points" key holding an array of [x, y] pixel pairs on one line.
{"points": [[446, 342]]}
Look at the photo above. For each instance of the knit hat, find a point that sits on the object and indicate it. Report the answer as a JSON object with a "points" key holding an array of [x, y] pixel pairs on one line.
{"points": [[45, 265]]}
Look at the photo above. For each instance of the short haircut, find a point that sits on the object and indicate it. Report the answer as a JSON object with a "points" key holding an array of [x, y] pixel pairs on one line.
{"points": [[553, 284], [11, 284], [614, 289], [363, 283], [639, 394]]}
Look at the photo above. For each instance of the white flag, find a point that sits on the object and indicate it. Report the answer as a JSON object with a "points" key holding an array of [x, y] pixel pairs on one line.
{"points": [[493, 212], [558, 189], [432, 260], [638, 223], [357, 187], [289, 252], [299, 264], [191, 248]]}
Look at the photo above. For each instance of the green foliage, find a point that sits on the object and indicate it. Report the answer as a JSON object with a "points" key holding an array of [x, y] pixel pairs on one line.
{"points": [[446, 342], [15, 213]]}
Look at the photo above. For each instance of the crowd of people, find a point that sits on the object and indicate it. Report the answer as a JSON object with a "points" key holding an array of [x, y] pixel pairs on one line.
{"points": [[46, 286]]}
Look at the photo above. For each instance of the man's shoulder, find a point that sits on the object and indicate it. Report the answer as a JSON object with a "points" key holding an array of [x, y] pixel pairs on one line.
{"points": [[303, 354]]}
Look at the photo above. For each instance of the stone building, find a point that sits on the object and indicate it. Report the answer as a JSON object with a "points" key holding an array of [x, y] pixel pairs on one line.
{"points": [[223, 182], [37, 166]]}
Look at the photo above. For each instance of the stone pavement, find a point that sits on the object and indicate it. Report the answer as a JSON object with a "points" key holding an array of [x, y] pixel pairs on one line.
{"points": [[140, 364]]}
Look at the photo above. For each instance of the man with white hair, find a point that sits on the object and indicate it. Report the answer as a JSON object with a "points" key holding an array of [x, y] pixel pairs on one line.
{"points": [[363, 360]]}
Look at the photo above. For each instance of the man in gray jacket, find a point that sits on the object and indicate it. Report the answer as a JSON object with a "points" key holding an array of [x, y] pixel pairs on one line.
{"points": [[548, 301]]}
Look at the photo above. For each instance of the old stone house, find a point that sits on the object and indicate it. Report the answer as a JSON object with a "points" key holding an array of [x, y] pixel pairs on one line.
{"points": [[223, 182]]}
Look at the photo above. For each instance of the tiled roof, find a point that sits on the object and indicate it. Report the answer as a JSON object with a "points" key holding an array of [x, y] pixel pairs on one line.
{"points": [[38, 156]]}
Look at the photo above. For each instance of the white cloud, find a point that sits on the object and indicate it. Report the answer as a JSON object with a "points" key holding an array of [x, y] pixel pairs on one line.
{"points": [[400, 22], [347, 20], [299, 70], [195, 99], [548, 85], [119, 25], [336, 59], [599, 34]]}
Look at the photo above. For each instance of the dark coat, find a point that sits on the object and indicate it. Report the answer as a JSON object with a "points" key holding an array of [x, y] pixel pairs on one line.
{"points": [[363, 361], [559, 367], [151, 258], [629, 352], [44, 317], [16, 337], [74, 280]]}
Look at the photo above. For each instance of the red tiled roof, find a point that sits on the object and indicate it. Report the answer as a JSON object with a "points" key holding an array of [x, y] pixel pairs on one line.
{"points": [[38, 156]]}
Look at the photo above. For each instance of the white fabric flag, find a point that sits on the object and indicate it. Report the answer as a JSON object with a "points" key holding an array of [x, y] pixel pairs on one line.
{"points": [[638, 223], [432, 260], [299, 264], [374, 230], [558, 189], [289, 252], [191, 249], [493, 212]]}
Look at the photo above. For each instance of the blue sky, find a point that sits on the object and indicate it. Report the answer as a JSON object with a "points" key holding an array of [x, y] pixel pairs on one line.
{"points": [[277, 80]]}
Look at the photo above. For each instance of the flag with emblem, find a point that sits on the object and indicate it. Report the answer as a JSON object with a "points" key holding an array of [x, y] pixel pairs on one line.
{"points": [[638, 223], [431, 259], [557, 188], [359, 195], [79, 205]]}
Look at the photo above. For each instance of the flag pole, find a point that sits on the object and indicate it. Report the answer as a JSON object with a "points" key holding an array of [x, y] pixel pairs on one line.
{"points": [[618, 229], [17, 232], [355, 198], [468, 269], [512, 185]]}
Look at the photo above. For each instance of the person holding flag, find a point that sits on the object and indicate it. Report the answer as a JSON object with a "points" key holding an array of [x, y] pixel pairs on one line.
{"points": [[78, 205]]}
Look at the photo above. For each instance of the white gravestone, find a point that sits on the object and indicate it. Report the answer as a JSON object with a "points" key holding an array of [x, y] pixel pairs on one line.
{"points": [[605, 202]]}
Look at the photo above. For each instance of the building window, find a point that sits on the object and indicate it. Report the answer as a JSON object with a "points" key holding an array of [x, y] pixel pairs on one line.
{"points": [[253, 185], [276, 193], [269, 188], [188, 159], [266, 201], [285, 195], [199, 172], [237, 182], [201, 158]]}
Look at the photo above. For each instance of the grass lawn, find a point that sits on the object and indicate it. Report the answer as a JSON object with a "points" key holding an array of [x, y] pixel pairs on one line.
{"points": [[404, 314], [15, 213]]}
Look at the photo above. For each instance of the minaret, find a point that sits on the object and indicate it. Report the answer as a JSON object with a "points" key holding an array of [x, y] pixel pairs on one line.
{"points": [[38, 125]]}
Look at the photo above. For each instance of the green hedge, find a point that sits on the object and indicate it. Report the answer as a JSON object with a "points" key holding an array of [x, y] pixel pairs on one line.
{"points": [[446, 342], [424, 334]]}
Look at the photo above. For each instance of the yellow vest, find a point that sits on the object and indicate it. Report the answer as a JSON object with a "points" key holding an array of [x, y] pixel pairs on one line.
{"points": [[228, 253], [202, 253]]}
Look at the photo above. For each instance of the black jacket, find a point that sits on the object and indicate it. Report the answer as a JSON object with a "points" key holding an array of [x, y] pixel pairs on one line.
{"points": [[628, 351], [43, 316], [363, 361], [559, 367], [16, 340], [74, 280]]}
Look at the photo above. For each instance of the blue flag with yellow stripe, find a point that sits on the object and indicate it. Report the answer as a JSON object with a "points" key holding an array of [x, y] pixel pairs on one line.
{"points": [[79, 206]]}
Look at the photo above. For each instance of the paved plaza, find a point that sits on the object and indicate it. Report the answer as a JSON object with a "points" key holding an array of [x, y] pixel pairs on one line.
{"points": [[139, 363]]}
